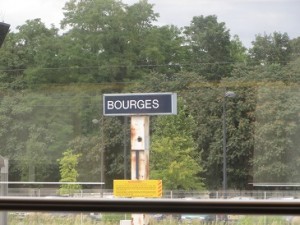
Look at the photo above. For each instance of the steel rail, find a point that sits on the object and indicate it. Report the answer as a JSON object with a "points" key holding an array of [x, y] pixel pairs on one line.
{"points": [[250, 207], [50, 183]]}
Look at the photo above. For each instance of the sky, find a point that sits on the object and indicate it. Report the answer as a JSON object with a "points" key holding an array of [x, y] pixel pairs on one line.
{"points": [[245, 18]]}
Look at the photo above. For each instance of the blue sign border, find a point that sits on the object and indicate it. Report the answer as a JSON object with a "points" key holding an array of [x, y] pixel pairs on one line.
{"points": [[167, 104]]}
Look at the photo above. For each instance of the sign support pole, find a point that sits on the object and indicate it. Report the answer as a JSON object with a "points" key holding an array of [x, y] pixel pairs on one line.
{"points": [[4, 186], [140, 157], [140, 106]]}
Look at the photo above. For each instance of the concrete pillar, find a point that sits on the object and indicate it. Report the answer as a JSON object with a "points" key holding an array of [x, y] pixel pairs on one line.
{"points": [[140, 157]]}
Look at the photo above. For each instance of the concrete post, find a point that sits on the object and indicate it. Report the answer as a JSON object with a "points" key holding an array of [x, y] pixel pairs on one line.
{"points": [[4, 186], [140, 157]]}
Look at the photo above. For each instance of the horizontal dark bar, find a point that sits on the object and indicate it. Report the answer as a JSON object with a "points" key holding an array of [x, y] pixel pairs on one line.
{"points": [[258, 207]]}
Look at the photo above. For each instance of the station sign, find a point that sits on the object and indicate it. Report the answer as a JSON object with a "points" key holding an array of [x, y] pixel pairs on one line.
{"points": [[4, 29], [138, 188], [140, 104]]}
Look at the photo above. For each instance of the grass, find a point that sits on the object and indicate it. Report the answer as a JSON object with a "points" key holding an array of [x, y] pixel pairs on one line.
{"points": [[114, 219], [63, 218]]}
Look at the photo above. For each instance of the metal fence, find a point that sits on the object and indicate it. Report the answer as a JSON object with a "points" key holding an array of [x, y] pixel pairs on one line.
{"points": [[168, 194]]}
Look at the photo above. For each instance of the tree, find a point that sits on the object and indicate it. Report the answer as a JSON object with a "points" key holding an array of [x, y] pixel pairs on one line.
{"points": [[31, 57], [295, 47], [205, 105], [107, 37], [276, 153], [209, 43], [268, 49], [35, 128], [68, 172], [237, 51], [162, 51], [268, 121], [173, 154]]}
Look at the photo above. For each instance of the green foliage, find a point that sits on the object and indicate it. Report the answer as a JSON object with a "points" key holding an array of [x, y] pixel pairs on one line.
{"points": [[114, 219], [209, 43], [272, 106], [37, 218], [173, 155], [109, 34], [237, 51], [33, 133], [276, 131], [205, 104], [261, 220], [68, 172], [51, 86], [268, 49], [295, 47]]}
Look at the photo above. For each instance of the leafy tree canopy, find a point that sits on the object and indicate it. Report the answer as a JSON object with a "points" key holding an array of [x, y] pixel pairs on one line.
{"points": [[173, 155]]}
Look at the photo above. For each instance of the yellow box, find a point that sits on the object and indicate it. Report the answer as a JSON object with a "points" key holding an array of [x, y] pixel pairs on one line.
{"points": [[138, 188]]}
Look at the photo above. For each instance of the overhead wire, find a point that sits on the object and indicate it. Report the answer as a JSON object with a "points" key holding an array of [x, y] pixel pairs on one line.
{"points": [[122, 65]]}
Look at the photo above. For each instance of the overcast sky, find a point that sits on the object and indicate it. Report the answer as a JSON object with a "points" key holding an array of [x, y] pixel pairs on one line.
{"points": [[245, 18]]}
